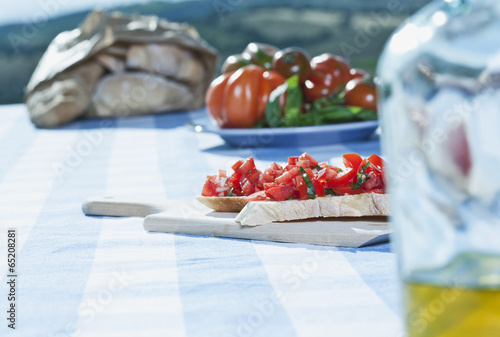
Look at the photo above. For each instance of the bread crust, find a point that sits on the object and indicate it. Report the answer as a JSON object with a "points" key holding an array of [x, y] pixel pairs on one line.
{"points": [[265, 212], [223, 204]]}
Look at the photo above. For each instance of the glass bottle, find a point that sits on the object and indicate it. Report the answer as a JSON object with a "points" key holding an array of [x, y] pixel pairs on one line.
{"points": [[439, 88]]}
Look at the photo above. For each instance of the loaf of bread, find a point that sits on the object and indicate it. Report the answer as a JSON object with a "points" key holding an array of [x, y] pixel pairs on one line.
{"points": [[119, 65]]}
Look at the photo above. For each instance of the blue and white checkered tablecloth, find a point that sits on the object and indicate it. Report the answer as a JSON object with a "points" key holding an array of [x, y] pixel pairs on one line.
{"points": [[102, 276]]}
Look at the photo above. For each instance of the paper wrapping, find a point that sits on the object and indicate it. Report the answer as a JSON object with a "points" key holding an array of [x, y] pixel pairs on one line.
{"points": [[117, 65]]}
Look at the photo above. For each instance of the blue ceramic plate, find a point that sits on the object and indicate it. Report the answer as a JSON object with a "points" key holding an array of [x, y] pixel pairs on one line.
{"points": [[295, 136]]}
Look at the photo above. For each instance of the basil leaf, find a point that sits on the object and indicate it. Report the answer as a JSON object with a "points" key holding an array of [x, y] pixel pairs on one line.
{"points": [[230, 192], [363, 114], [330, 191], [326, 110], [273, 108], [359, 178], [332, 100], [311, 192], [261, 124], [293, 103]]}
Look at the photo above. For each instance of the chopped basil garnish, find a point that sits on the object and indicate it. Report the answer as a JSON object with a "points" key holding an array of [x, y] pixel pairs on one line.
{"points": [[317, 167], [339, 170], [330, 191], [311, 192], [361, 177], [230, 193]]}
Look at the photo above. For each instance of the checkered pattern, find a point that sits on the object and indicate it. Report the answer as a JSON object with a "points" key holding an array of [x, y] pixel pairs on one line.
{"points": [[102, 276]]}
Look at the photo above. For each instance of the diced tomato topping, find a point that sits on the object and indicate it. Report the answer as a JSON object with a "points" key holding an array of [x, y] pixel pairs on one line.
{"points": [[237, 191], [247, 187], [209, 189], [276, 169], [341, 190], [257, 196], [319, 188], [281, 183], [289, 167], [344, 179], [287, 177], [247, 166], [292, 160], [270, 185], [376, 162], [326, 174], [352, 160], [301, 187], [305, 156], [310, 173], [280, 193], [253, 175], [362, 164], [236, 177], [264, 178], [374, 183], [267, 176], [237, 165], [304, 163]]}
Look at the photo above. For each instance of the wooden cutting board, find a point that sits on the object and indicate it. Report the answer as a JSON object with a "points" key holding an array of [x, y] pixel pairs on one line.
{"points": [[191, 217]]}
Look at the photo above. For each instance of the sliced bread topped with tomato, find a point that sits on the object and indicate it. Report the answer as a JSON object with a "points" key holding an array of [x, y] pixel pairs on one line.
{"points": [[299, 189]]}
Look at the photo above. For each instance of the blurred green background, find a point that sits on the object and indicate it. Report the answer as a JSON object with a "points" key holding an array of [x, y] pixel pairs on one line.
{"points": [[355, 29]]}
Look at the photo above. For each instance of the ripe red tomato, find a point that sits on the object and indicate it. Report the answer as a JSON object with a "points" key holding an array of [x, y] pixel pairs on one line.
{"points": [[357, 73], [361, 94], [238, 99], [319, 84], [336, 66], [292, 61]]}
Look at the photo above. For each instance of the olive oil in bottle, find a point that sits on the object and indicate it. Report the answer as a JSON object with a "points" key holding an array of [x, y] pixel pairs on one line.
{"points": [[436, 311]]}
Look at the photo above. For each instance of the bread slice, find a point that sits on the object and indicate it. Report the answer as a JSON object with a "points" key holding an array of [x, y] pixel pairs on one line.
{"points": [[264, 212], [223, 204]]}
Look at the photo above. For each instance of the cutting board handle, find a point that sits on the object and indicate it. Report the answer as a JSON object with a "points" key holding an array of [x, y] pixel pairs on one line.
{"points": [[123, 206]]}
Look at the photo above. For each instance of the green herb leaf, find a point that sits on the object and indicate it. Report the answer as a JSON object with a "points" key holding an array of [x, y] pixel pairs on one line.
{"points": [[261, 124], [326, 110], [363, 114], [330, 191], [230, 193], [274, 113], [293, 103], [339, 170], [311, 192], [359, 178]]}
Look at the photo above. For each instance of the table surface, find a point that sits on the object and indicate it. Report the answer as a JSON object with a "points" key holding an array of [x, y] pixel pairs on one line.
{"points": [[101, 276]]}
